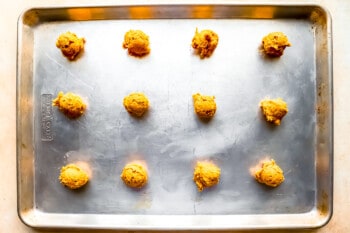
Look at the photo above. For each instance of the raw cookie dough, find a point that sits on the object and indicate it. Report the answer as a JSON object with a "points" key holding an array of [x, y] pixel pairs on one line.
{"points": [[205, 42], [137, 43], [269, 173], [274, 44], [204, 106], [206, 174], [134, 175], [70, 44], [136, 104], [70, 104], [73, 176], [274, 110]]}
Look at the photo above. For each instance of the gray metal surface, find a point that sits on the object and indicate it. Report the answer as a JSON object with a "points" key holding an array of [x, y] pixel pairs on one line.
{"points": [[170, 138]]}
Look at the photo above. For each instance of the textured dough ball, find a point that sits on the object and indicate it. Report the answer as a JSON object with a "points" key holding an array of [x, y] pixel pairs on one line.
{"points": [[136, 104], [205, 42], [204, 106], [70, 44], [137, 43], [206, 174], [134, 175], [269, 173], [73, 176], [274, 110], [70, 104], [274, 44]]}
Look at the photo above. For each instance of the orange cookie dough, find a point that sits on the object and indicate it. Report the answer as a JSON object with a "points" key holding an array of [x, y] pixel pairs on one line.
{"points": [[269, 173], [73, 176], [204, 106], [136, 104], [70, 104], [70, 44], [206, 174], [205, 42], [134, 175], [274, 44], [137, 43], [274, 110]]}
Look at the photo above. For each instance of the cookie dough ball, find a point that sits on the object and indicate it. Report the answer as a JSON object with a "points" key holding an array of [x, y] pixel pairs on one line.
{"points": [[206, 174], [204, 106], [136, 104], [70, 104], [70, 44], [137, 43], [134, 175], [274, 110], [205, 42], [269, 173], [274, 44], [73, 176]]}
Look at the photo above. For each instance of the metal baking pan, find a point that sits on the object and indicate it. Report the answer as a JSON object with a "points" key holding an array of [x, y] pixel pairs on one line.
{"points": [[170, 138]]}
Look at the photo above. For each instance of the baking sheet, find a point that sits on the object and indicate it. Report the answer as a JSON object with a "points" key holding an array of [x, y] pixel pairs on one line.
{"points": [[170, 138]]}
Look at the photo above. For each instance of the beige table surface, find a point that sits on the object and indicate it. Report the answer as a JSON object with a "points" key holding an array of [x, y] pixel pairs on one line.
{"points": [[9, 12]]}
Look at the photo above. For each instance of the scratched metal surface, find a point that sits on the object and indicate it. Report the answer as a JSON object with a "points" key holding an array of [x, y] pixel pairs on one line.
{"points": [[170, 138]]}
